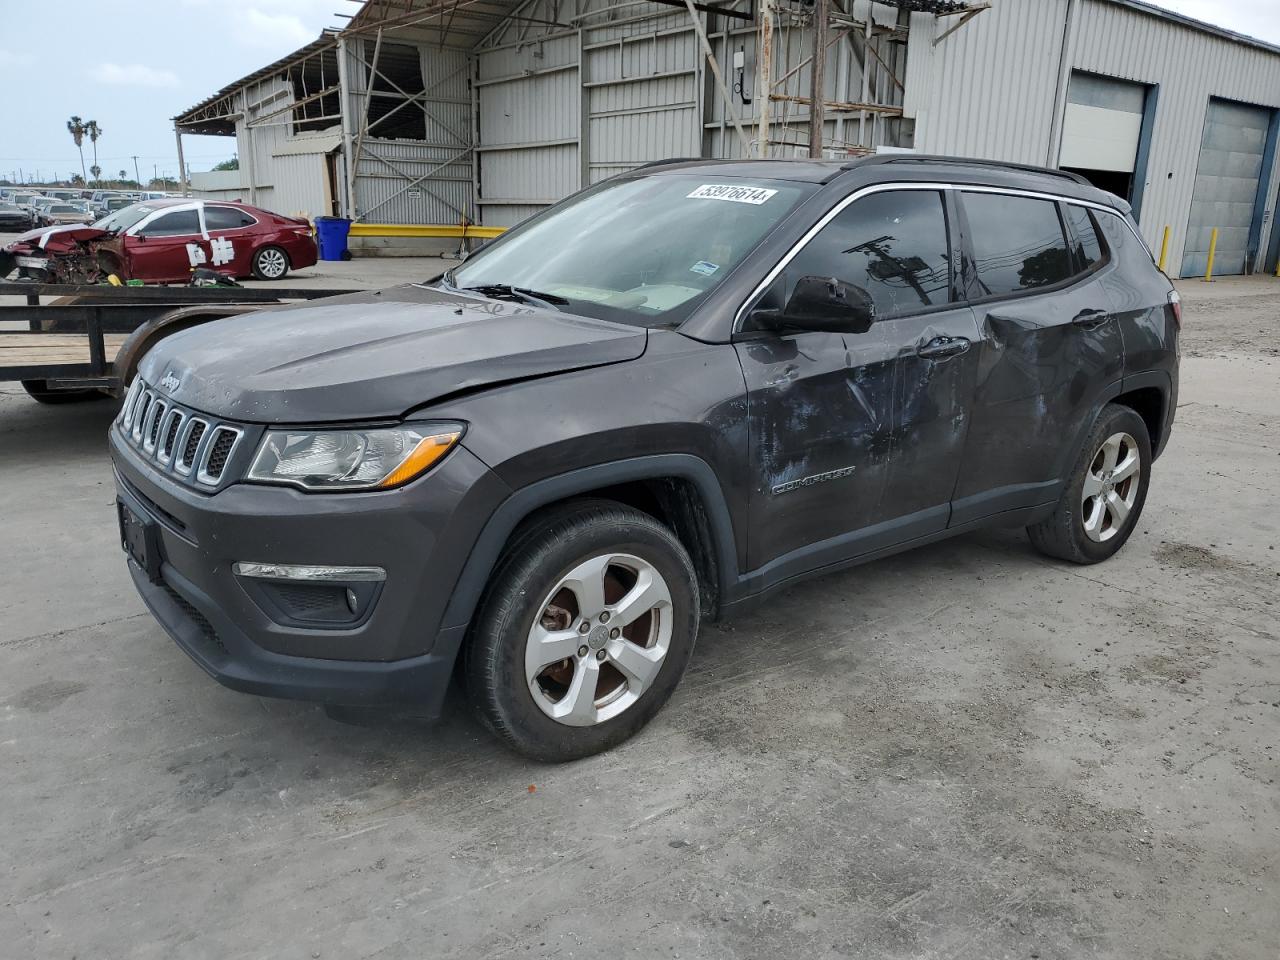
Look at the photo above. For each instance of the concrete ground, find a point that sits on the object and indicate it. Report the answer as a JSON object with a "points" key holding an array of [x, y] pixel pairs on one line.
{"points": [[966, 752]]}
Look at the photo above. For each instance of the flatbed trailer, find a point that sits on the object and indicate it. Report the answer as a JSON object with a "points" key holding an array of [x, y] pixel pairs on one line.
{"points": [[90, 338]]}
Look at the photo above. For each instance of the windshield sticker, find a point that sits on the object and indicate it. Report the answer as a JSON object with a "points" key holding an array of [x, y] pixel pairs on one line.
{"points": [[704, 268], [724, 191]]}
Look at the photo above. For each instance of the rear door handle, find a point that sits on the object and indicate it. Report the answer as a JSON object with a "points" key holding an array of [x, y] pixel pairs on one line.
{"points": [[1090, 318], [941, 347]]}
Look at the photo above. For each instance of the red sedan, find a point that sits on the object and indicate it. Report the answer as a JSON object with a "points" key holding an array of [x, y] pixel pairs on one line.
{"points": [[162, 241]]}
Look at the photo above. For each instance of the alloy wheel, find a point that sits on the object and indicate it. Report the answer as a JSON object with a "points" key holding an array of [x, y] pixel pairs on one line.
{"points": [[272, 263], [600, 639], [1111, 486]]}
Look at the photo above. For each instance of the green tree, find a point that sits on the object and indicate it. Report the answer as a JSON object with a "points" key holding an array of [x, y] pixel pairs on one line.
{"points": [[93, 131], [232, 164], [76, 127]]}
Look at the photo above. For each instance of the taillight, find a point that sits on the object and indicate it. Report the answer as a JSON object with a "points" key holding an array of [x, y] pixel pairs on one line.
{"points": [[1175, 302]]}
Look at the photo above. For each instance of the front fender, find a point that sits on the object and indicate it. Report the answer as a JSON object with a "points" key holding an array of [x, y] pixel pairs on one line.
{"points": [[488, 548]]}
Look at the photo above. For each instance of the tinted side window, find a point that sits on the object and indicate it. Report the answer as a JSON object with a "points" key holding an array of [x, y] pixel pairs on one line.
{"points": [[177, 224], [1084, 237], [226, 218], [892, 244], [1018, 243]]}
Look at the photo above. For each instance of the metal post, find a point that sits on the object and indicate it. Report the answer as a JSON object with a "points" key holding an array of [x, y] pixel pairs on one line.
{"points": [[344, 108], [764, 68], [866, 83], [182, 166], [818, 75], [1164, 248], [1213, 248], [715, 69]]}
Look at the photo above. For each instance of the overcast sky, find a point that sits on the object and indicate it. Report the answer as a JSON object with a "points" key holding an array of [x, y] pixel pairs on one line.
{"points": [[133, 65]]}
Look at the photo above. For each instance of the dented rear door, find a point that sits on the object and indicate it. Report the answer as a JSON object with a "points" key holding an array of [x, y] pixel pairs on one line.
{"points": [[1049, 347]]}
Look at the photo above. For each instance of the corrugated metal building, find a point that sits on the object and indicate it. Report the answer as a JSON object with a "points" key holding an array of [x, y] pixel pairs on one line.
{"points": [[485, 111]]}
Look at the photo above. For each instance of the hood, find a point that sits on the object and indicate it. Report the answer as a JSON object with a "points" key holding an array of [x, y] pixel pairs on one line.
{"points": [[57, 239], [373, 355]]}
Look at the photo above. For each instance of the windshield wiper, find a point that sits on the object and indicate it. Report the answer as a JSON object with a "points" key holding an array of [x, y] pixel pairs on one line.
{"points": [[534, 298]]}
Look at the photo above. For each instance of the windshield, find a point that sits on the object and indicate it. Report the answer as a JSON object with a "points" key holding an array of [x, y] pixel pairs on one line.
{"points": [[122, 220], [641, 251]]}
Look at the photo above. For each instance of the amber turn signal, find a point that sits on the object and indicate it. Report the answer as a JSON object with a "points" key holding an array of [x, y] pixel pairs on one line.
{"points": [[428, 452]]}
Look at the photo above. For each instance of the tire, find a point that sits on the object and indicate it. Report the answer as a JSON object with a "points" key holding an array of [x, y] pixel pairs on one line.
{"points": [[40, 393], [1090, 525], [270, 263], [514, 697]]}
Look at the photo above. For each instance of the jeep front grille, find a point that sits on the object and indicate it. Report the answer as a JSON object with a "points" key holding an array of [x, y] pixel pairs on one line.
{"points": [[176, 440]]}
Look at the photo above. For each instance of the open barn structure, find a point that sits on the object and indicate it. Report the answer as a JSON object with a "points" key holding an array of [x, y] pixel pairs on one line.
{"points": [[464, 117]]}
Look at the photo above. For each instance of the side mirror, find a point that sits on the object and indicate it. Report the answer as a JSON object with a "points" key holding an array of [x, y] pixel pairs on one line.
{"points": [[823, 304]]}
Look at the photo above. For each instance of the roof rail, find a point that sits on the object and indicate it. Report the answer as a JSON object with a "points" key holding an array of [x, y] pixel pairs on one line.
{"points": [[659, 163], [966, 161]]}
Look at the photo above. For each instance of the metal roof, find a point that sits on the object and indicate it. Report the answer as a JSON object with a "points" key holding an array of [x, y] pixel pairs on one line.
{"points": [[191, 115], [1194, 24]]}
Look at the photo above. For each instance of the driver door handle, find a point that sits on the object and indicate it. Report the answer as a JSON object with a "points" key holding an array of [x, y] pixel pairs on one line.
{"points": [[941, 347], [1090, 318]]}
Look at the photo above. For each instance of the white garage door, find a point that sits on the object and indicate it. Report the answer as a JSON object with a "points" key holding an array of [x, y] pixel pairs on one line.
{"points": [[1231, 150], [1102, 123]]}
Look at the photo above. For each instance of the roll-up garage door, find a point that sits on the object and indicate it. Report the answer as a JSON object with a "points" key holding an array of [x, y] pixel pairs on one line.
{"points": [[1101, 130], [1231, 152]]}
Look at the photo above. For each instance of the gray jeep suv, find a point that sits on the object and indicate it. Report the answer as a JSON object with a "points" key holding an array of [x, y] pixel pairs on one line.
{"points": [[649, 406]]}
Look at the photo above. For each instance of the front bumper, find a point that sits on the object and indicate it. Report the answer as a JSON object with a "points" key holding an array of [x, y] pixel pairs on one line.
{"points": [[421, 534]]}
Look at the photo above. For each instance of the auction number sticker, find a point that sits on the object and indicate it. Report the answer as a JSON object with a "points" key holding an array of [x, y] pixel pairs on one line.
{"points": [[724, 191]]}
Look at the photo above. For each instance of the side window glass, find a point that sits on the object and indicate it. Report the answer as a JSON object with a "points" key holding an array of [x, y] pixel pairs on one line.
{"points": [[1018, 243], [226, 218], [1088, 250], [179, 224], [892, 244]]}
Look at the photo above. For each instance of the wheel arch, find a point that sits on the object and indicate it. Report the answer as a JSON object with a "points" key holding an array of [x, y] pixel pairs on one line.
{"points": [[680, 490]]}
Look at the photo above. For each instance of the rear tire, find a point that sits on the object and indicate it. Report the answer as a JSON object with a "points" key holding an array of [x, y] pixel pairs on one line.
{"points": [[270, 263], [1105, 491], [592, 576]]}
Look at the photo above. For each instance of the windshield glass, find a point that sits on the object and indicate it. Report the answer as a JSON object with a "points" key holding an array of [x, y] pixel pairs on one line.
{"points": [[641, 251], [122, 220]]}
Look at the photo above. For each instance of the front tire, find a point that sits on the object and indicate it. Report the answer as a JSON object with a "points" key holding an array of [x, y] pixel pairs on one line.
{"points": [[270, 263], [584, 631], [1105, 493]]}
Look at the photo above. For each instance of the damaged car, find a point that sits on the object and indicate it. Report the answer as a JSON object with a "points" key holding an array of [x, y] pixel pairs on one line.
{"points": [[654, 404], [163, 241]]}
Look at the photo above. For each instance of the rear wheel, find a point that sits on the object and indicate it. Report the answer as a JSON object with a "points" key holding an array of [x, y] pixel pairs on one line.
{"points": [[584, 631], [270, 263], [1105, 494]]}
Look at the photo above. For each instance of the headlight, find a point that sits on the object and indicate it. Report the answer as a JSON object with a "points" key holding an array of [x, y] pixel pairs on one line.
{"points": [[352, 459]]}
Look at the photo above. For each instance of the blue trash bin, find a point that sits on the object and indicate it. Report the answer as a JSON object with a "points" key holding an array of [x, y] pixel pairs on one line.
{"points": [[331, 235]]}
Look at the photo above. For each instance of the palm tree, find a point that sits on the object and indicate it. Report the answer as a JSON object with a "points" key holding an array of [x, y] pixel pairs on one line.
{"points": [[94, 131], [75, 126]]}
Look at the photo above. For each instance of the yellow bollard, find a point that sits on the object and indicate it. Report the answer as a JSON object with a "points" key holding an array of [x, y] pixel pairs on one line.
{"points": [[1213, 248], [1164, 247]]}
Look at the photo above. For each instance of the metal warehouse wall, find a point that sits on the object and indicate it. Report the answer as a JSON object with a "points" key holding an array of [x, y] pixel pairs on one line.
{"points": [[562, 109], [1190, 66], [403, 181], [995, 88]]}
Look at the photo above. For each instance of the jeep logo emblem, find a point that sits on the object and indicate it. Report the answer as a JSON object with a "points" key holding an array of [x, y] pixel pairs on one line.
{"points": [[170, 383]]}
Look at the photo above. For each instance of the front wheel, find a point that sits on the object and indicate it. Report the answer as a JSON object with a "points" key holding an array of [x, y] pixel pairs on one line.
{"points": [[585, 630], [1105, 493], [270, 263]]}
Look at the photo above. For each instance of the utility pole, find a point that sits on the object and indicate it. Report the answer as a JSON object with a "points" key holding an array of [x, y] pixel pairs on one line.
{"points": [[182, 167], [817, 71], [136, 175], [765, 70]]}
